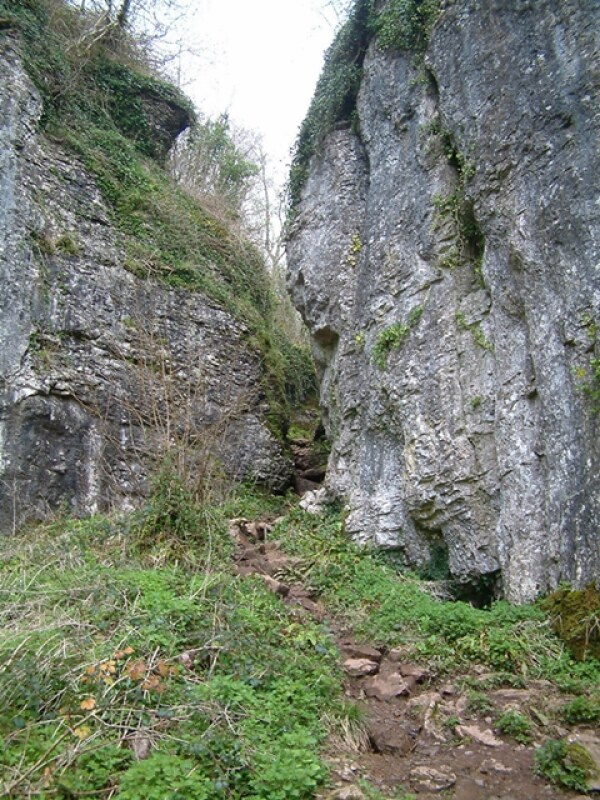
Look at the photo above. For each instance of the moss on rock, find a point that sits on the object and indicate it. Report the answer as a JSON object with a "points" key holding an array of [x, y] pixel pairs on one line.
{"points": [[575, 615]]}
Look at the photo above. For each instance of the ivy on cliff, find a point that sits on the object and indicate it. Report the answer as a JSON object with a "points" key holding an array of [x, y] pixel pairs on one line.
{"points": [[334, 100], [403, 25], [102, 102]]}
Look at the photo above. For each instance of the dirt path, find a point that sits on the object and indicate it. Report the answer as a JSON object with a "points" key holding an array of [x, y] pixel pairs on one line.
{"points": [[425, 735]]}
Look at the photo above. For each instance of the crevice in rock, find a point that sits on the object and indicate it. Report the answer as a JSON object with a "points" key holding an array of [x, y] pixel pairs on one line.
{"points": [[481, 591]]}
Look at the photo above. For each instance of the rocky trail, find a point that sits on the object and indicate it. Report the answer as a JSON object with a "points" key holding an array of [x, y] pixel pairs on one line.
{"points": [[420, 733]]}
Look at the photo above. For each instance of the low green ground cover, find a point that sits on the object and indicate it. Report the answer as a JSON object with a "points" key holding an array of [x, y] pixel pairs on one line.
{"points": [[393, 608], [113, 638], [134, 636]]}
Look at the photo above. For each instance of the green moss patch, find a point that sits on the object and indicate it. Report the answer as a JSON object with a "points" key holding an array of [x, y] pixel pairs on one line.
{"points": [[575, 616]]}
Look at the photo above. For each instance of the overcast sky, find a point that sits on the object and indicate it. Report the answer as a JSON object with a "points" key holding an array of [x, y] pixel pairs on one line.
{"points": [[259, 60]]}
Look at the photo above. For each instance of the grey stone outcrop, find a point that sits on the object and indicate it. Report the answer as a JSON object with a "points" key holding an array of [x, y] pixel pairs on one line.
{"points": [[466, 213], [103, 375]]}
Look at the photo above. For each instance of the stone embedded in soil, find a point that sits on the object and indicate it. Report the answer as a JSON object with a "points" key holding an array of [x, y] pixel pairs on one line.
{"points": [[348, 793], [413, 671], [491, 765], [467, 789], [387, 687], [353, 650], [141, 744], [428, 779], [486, 737], [357, 667], [397, 654], [275, 586], [388, 739]]}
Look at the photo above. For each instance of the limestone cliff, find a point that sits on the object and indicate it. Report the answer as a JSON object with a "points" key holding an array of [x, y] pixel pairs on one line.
{"points": [[107, 368], [445, 255]]}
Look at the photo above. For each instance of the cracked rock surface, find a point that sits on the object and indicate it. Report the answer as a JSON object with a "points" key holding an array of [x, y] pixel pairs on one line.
{"points": [[101, 373], [445, 257]]}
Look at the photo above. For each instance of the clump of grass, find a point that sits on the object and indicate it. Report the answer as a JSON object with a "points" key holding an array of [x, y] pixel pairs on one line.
{"points": [[584, 709], [515, 724]]}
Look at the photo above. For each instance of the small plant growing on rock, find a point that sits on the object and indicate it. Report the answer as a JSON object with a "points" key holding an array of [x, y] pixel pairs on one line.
{"points": [[393, 337], [67, 245], [479, 702], [515, 724], [564, 764]]}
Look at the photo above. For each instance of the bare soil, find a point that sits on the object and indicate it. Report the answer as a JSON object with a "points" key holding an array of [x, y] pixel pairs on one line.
{"points": [[420, 733]]}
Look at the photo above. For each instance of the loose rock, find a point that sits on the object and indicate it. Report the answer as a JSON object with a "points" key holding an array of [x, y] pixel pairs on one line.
{"points": [[360, 666], [387, 687], [483, 737], [429, 779]]}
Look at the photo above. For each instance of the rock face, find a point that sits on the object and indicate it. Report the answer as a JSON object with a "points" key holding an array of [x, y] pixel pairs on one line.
{"points": [[446, 258], [104, 375]]}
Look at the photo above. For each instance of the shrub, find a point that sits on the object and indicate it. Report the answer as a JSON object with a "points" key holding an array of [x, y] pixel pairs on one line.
{"points": [[516, 725], [406, 24], [561, 763]]}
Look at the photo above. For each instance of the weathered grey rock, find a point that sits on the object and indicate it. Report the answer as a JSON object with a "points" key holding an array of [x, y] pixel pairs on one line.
{"points": [[358, 667], [475, 434], [432, 780], [103, 375]]}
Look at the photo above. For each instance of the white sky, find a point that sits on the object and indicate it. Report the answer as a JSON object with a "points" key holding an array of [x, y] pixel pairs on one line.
{"points": [[259, 60]]}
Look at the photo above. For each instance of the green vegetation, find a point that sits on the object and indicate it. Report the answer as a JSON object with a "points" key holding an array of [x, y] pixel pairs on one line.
{"points": [[468, 245], [394, 336], [455, 209], [138, 664], [477, 333], [392, 609], [583, 709], [590, 376], [406, 24], [564, 764], [575, 615], [67, 245], [334, 100], [212, 167], [479, 702], [355, 250], [516, 725], [370, 792], [134, 635]]}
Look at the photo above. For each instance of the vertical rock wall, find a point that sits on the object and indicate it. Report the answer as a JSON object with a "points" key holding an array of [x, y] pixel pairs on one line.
{"points": [[447, 262], [103, 376]]}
